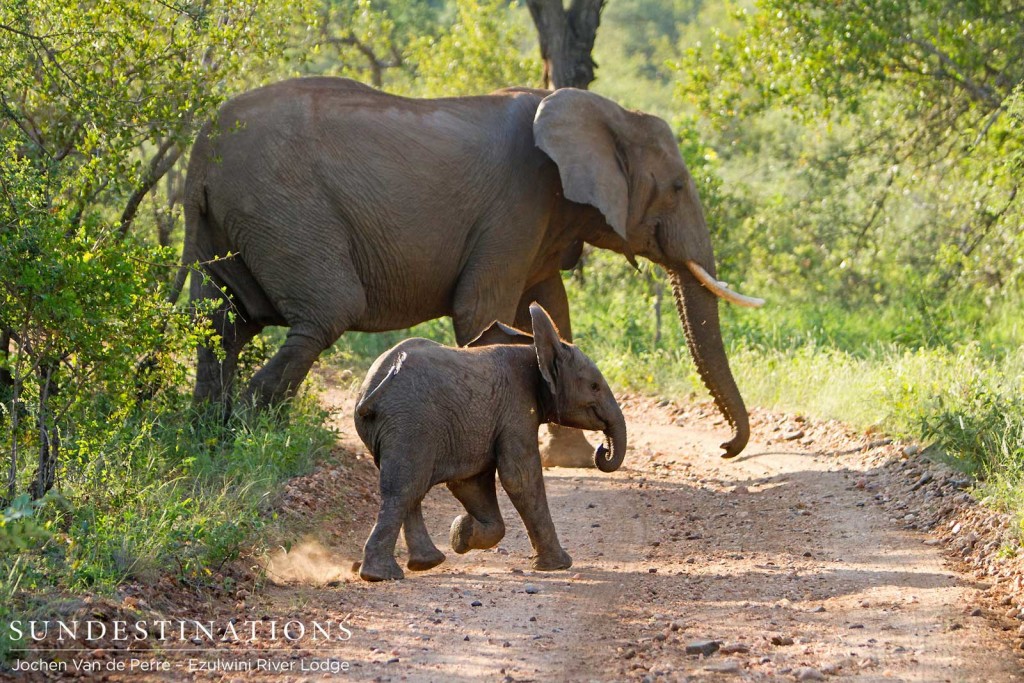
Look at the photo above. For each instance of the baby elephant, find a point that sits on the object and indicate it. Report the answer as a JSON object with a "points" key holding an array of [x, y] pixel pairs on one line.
{"points": [[431, 413]]}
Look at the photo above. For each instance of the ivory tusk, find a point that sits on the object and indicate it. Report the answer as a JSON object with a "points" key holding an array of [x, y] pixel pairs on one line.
{"points": [[720, 289]]}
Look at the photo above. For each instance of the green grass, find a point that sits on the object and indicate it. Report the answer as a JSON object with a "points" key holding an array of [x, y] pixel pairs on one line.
{"points": [[173, 493]]}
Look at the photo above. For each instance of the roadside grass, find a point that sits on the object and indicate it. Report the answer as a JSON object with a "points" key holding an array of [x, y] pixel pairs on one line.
{"points": [[174, 492]]}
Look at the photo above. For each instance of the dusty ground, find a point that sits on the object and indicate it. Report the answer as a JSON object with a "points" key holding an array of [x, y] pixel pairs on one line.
{"points": [[790, 559], [803, 559]]}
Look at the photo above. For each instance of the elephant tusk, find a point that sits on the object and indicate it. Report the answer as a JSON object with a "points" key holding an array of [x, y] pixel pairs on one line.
{"points": [[720, 289]]}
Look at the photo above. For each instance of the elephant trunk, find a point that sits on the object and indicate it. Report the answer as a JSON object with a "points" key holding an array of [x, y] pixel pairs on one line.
{"points": [[608, 458], [698, 311]]}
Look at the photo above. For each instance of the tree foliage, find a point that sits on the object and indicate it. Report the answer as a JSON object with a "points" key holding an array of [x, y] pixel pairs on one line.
{"points": [[97, 101], [420, 48], [878, 146]]}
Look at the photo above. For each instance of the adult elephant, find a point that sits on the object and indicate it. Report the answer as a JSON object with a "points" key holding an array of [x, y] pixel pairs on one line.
{"points": [[345, 208]]}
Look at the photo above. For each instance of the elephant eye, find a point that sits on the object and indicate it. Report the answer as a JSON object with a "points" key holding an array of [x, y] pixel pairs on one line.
{"points": [[679, 184], [595, 386]]}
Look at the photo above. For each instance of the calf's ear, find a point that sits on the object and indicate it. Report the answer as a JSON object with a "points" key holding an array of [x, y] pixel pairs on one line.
{"points": [[551, 350], [500, 333]]}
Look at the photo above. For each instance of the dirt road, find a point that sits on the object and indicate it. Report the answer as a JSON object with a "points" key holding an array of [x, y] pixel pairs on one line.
{"points": [[780, 565]]}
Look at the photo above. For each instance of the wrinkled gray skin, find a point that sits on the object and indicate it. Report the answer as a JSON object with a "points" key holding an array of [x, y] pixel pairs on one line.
{"points": [[350, 209], [431, 414]]}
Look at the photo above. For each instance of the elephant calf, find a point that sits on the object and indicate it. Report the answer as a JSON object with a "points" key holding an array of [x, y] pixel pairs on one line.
{"points": [[431, 413]]}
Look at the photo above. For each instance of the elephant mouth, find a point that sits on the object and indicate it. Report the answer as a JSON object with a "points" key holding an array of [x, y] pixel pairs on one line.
{"points": [[721, 289]]}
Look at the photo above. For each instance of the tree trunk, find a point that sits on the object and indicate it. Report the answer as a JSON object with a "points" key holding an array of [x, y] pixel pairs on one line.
{"points": [[567, 40], [49, 437]]}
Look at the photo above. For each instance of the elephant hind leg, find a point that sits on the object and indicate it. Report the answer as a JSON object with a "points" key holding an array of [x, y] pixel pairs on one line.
{"points": [[423, 554], [483, 527], [402, 486], [280, 378], [318, 307], [215, 377]]}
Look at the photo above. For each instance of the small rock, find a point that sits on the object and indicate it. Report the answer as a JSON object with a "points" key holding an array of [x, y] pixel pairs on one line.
{"points": [[792, 434], [734, 649], [911, 450], [729, 666], [976, 612], [818, 610], [781, 640], [702, 647], [807, 673], [531, 589], [924, 479], [476, 603], [740, 489], [628, 654]]}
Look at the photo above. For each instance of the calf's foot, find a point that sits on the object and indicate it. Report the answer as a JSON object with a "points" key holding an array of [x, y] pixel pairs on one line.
{"points": [[422, 560], [552, 561], [380, 569], [469, 533]]}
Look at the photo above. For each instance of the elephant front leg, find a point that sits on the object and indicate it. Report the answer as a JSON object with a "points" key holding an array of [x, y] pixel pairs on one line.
{"points": [[523, 480], [484, 294], [562, 446]]}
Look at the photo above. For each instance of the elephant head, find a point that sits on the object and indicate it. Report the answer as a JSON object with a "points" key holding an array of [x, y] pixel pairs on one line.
{"points": [[579, 394], [627, 165]]}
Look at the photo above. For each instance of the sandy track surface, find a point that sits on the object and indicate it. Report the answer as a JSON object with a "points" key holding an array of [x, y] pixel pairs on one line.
{"points": [[783, 564]]}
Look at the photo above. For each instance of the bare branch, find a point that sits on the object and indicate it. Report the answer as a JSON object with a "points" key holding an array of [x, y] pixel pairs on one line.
{"points": [[166, 156]]}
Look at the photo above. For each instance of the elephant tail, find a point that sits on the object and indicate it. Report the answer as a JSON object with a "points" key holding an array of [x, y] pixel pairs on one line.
{"points": [[365, 406]]}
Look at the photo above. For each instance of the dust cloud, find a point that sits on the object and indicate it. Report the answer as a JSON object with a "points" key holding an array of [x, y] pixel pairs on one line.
{"points": [[308, 562]]}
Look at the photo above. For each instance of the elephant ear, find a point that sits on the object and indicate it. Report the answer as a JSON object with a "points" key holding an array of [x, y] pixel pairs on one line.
{"points": [[576, 129], [500, 333], [551, 350]]}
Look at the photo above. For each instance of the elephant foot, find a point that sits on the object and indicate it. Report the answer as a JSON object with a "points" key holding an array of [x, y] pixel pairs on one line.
{"points": [[553, 561], [468, 533], [565, 447], [424, 560], [380, 570]]}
